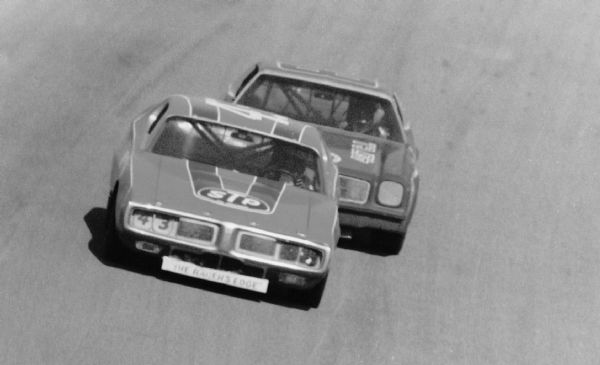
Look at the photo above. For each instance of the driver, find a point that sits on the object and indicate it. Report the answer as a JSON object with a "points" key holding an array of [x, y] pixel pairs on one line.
{"points": [[286, 166], [365, 117]]}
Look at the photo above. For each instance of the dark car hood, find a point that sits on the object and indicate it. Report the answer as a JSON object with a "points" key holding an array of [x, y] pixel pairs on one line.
{"points": [[227, 196], [364, 156]]}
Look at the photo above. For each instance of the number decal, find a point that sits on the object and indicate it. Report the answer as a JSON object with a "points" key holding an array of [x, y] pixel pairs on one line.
{"points": [[247, 113], [161, 225], [142, 221]]}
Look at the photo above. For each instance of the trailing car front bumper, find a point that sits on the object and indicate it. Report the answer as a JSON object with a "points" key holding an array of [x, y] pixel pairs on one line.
{"points": [[373, 216], [354, 218]]}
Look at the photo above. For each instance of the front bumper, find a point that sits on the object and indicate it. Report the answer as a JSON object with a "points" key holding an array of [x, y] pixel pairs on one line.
{"points": [[218, 261], [354, 218]]}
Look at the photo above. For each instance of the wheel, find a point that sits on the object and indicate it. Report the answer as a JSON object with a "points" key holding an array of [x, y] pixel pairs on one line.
{"points": [[113, 249], [393, 241], [312, 297]]}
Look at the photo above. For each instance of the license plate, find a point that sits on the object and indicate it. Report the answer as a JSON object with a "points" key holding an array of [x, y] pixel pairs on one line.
{"points": [[218, 276]]}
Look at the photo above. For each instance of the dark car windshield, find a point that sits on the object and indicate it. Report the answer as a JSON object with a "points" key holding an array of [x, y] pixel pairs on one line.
{"points": [[239, 150], [324, 105]]}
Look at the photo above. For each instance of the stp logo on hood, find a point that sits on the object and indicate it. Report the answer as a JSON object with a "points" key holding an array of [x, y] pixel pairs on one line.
{"points": [[233, 199]]}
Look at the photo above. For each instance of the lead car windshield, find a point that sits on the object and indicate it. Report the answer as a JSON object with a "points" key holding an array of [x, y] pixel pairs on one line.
{"points": [[239, 150], [324, 105]]}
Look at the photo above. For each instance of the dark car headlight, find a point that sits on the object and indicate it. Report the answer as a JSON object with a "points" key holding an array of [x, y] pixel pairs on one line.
{"points": [[390, 193], [353, 190]]}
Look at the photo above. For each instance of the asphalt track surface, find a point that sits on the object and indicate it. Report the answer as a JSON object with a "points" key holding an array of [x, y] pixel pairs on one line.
{"points": [[500, 266]]}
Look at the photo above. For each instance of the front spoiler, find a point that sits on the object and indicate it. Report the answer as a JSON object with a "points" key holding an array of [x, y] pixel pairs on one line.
{"points": [[219, 260], [352, 219]]}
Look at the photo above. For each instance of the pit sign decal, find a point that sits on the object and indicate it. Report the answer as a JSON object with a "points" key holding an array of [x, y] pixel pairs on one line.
{"points": [[233, 199]]}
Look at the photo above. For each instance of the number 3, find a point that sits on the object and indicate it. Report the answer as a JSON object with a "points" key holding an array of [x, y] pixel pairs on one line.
{"points": [[161, 225]]}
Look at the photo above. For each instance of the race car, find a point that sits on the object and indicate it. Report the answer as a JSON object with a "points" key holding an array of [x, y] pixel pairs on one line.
{"points": [[228, 194], [363, 125]]}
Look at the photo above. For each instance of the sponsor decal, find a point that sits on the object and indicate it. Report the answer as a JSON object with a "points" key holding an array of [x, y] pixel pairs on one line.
{"points": [[233, 199], [363, 152]]}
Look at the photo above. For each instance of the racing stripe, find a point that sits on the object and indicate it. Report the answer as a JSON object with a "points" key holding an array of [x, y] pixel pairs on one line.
{"points": [[269, 191], [235, 181], [285, 131], [251, 185], [244, 117], [302, 133], [202, 176], [229, 117]]}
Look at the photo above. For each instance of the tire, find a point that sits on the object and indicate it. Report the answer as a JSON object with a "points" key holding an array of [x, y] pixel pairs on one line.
{"points": [[113, 249], [393, 241], [312, 297]]}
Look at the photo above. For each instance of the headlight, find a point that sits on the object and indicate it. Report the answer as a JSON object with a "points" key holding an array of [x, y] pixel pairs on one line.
{"points": [[303, 256], [309, 257], [390, 193], [353, 190], [289, 252], [195, 230], [259, 245]]}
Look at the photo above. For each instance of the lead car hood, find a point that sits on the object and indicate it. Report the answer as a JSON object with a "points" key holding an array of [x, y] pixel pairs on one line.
{"points": [[229, 196], [366, 157]]}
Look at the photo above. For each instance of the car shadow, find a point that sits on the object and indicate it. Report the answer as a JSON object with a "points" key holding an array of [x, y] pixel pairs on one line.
{"points": [[150, 266], [368, 242]]}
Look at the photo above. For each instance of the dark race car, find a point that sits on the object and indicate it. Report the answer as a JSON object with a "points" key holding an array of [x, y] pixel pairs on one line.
{"points": [[363, 126], [228, 194]]}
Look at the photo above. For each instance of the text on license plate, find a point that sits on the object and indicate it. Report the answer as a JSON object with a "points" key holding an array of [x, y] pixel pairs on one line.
{"points": [[218, 276]]}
